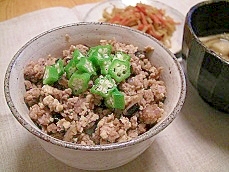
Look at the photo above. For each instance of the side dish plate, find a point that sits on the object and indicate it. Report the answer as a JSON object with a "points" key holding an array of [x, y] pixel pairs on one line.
{"points": [[96, 14]]}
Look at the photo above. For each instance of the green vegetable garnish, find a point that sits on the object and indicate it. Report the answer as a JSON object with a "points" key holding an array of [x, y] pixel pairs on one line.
{"points": [[79, 82], [115, 100], [99, 53], [77, 55], [111, 68], [50, 75], [60, 67], [122, 56], [103, 86], [86, 66], [104, 65], [119, 70], [70, 68]]}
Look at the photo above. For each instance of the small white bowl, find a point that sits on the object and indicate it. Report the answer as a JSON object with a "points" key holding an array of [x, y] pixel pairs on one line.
{"points": [[98, 157]]}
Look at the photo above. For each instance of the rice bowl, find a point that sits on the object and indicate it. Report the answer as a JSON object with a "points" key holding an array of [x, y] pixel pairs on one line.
{"points": [[99, 156]]}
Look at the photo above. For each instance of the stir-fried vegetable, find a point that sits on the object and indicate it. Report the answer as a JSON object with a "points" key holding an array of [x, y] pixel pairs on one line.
{"points": [[146, 18]]}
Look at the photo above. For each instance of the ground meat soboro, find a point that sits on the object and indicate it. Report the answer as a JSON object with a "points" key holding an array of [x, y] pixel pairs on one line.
{"points": [[83, 118]]}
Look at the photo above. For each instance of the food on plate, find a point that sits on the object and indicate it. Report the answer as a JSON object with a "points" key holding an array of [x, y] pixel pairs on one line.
{"points": [[146, 18], [219, 43], [95, 95]]}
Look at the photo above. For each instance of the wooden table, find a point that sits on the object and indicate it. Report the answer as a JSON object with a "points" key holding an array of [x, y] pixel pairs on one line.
{"points": [[14, 8]]}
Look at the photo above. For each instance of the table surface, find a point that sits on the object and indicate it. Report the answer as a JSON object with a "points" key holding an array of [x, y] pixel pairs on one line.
{"points": [[14, 8], [197, 140]]}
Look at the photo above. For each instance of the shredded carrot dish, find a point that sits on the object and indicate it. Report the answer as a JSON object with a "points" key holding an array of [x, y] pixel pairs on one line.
{"points": [[146, 18]]}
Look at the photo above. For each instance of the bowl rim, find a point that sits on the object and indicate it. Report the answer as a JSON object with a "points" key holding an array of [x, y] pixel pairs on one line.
{"points": [[190, 26], [45, 137]]}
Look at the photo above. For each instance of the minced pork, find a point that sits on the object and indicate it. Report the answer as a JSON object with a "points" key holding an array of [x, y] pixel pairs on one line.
{"points": [[84, 119]]}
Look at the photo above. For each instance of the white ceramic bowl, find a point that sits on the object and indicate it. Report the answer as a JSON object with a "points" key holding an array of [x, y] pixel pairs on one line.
{"points": [[99, 157]]}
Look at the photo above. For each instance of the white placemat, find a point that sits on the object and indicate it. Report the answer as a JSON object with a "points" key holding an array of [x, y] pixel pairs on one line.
{"points": [[197, 140]]}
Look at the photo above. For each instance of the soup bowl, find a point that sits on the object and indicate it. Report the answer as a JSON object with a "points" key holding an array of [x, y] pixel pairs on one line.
{"points": [[207, 70]]}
